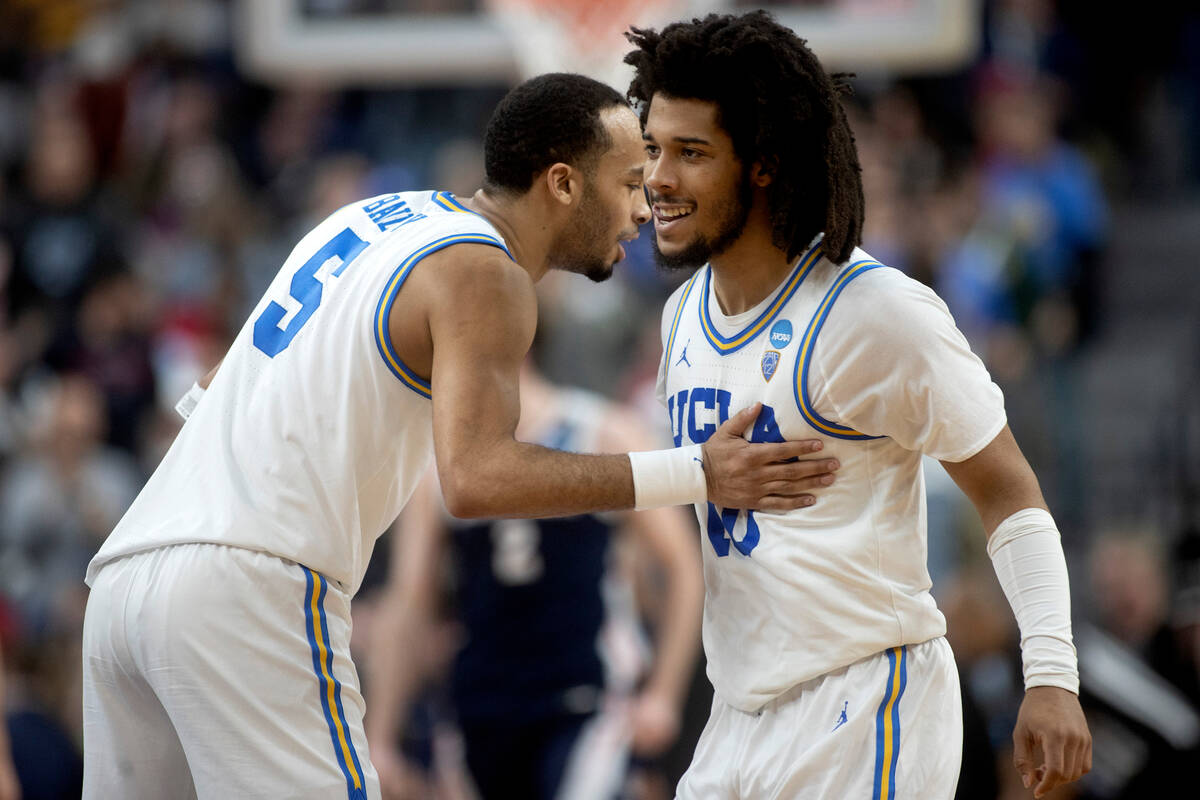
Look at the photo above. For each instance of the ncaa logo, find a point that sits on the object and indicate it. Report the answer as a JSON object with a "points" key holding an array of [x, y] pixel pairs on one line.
{"points": [[770, 362], [781, 334]]}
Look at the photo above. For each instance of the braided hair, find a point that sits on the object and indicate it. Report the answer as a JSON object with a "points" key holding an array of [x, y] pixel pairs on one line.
{"points": [[780, 108]]}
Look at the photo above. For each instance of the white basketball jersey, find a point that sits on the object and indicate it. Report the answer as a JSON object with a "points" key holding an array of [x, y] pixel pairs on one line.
{"points": [[313, 433], [869, 361]]}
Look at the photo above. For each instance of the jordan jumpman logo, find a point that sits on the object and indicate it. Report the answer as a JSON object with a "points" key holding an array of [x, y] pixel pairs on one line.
{"points": [[842, 720], [683, 359]]}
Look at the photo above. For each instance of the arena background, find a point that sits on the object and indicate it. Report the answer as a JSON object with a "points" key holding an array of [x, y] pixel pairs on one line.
{"points": [[1037, 162]]}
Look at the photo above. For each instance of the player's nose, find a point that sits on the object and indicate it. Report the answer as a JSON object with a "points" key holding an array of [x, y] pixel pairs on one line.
{"points": [[641, 208], [658, 177]]}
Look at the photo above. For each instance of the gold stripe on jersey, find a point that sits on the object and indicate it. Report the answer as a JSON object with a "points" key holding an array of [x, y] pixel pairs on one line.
{"points": [[382, 340], [675, 322], [808, 345], [725, 345], [450, 203]]}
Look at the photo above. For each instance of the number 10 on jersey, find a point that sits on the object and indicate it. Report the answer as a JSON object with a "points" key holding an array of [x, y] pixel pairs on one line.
{"points": [[305, 289], [696, 414]]}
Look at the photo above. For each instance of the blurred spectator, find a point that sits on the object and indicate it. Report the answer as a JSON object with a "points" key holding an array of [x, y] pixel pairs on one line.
{"points": [[195, 214], [38, 673], [297, 129], [108, 341], [1131, 601], [1185, 611], [1029, 260], [57, 503], [984, 638], [60, 227], [1145, 724], [12, 422], [9, 787]]}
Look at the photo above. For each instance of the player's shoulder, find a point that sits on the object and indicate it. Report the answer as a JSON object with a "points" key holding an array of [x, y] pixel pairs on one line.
{"points": [[425, 218], [384, 211], [871, 287], [868, 274], [874, 302], [473, 279]]}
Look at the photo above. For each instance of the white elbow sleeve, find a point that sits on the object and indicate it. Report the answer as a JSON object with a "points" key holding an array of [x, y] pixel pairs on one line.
{"points": [[1026, 552], [672, 477]]}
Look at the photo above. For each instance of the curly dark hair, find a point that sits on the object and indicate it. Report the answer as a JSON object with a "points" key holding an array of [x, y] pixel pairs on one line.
{"points": [[551, 118], [779, 106]]}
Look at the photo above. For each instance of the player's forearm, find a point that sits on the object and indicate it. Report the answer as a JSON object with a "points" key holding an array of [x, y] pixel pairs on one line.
{"points": [[392, 679], [678, 640], [1026, 551], [515, 479]]}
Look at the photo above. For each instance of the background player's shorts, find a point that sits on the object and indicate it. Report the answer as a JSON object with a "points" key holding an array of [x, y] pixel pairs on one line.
{"points": [[888, 727], [220, 672], [564, 757]]}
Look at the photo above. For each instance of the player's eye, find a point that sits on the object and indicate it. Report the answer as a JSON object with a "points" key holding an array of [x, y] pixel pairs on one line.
{"points": [[652, 150], [688, 152]]}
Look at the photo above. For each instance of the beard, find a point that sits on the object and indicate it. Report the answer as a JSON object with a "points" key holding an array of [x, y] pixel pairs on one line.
{"points": [[577, 248], [731, 221]]}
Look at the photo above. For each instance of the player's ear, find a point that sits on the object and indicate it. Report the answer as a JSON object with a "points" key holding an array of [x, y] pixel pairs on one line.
{"points": [[563, 183], [762, 172]]}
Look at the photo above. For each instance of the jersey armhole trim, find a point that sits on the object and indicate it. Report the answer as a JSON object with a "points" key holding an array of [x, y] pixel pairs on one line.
{"points": [[675, 324], [808, 346], [383, 340]]}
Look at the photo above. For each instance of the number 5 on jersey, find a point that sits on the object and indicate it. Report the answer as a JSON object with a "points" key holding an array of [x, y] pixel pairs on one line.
{"points": [[306, 289]]}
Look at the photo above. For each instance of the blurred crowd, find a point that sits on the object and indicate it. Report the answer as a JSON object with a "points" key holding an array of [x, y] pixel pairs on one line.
{"points": [[149, 192]]}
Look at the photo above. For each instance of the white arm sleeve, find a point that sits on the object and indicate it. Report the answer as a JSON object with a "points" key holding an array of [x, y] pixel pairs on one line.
{"points": [[1027, 555], [891, 362]]}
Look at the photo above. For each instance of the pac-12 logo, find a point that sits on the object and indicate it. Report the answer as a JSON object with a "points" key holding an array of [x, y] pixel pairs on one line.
{"points": [[770, 362], [781, 334]]}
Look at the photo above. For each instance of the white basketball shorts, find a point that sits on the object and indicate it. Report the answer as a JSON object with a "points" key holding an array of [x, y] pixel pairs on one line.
{"points": [[888, 727], [219, 672]]}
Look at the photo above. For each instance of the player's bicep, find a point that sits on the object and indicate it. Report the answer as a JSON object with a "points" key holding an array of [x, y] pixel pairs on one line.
{"points": [[482, 321], [997, 480]]}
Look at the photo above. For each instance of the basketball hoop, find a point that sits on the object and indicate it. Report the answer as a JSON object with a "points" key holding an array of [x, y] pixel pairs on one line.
{"points": [[581, 36]]}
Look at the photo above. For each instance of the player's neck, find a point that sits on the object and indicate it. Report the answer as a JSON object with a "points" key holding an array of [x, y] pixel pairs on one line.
{"points": [[750, 269], [521, 227]]}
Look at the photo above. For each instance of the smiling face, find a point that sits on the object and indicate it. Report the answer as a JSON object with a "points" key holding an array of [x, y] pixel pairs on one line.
{"points": [[700, 192], [613, 204]]}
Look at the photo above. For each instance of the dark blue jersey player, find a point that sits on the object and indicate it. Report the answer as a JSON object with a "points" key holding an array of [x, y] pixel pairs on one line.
{"points": [[545, 687]]}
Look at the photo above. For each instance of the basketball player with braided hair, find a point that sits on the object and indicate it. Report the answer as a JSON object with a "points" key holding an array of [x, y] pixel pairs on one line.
{"points": [[825, 648]]}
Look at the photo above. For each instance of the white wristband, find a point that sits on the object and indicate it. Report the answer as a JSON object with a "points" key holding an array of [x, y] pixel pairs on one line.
{"points": [[672, 477], [1026, 551], [187, 403]]}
